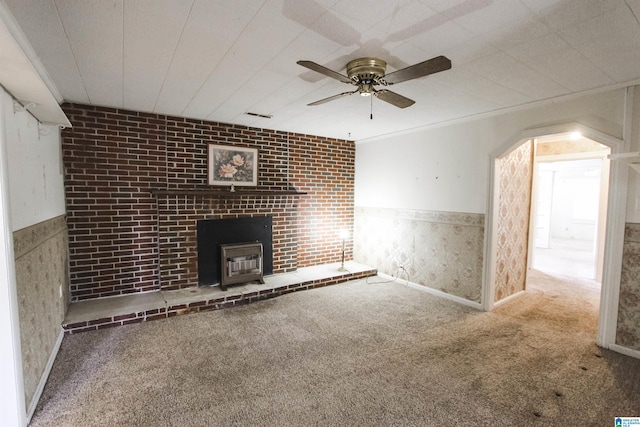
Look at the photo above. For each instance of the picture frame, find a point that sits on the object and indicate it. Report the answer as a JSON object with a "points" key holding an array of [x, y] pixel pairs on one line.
{"points": [[231, 165]]}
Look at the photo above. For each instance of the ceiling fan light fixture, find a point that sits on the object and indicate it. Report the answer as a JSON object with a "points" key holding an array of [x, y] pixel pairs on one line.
{"points": [[365, 89]]}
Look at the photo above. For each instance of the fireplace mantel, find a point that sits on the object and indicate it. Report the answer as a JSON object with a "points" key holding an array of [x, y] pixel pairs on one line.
{"points": [[225, 193]]}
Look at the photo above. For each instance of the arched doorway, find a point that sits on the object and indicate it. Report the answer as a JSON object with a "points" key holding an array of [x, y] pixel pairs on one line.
{"points": [[505, 278]]}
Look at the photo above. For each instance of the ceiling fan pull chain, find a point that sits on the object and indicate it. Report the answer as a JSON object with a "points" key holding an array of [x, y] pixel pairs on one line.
{"points": [[371, 116]]}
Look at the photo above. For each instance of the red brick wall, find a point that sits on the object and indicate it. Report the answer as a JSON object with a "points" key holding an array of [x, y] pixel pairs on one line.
{"points": [[127, 236], [326, 169]]}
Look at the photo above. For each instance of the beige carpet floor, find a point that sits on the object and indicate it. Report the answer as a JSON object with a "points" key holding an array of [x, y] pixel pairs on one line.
{"points": [[362, 353]]}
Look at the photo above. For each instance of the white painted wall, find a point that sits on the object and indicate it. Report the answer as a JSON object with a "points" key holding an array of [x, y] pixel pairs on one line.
{"points": [[446, 168], [35, 169], [575, 198], [420, 170]]}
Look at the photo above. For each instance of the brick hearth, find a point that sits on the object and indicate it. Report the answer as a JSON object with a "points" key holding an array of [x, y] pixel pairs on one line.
{"points": [[91, 315]]}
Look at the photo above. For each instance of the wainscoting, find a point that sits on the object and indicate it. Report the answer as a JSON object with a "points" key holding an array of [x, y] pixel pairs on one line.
{"points": [[628, 331], [43, 291], [439, 250]]}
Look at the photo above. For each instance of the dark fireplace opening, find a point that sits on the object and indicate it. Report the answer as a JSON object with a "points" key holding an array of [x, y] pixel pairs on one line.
{"points": [[212, 233]]}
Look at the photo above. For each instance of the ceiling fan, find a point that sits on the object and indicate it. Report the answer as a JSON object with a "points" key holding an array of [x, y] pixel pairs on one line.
{"points": [[367, 73]]}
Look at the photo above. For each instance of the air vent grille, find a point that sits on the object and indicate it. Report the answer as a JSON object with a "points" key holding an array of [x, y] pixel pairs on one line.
{"points": [[264, 116]]}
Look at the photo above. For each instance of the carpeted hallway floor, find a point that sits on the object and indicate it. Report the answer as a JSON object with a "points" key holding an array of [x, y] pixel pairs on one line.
{"points": [[362, 353]]}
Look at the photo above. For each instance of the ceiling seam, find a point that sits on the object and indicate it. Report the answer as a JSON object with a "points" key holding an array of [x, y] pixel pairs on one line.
{"points": [[258, 72], [73, 53], [586, 58], [252, 76], [327, 10], [222, 59], [173, 56], [546, 75], [626, 2], [583, 55]]}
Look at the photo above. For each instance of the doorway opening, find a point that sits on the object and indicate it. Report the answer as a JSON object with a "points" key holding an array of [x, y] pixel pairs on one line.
{"points": [[568, 207], [569, 195], [511, 232]]}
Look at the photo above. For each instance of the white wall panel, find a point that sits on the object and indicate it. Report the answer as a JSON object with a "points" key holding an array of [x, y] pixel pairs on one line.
{"points": [[35, 169], [446, 168]]}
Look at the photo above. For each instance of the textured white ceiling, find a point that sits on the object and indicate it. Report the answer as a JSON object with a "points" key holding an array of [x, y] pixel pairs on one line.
{"points": [[219, 59]]}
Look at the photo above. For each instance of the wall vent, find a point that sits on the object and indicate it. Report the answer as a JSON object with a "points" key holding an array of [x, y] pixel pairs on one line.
{"points": [[264, 116]]}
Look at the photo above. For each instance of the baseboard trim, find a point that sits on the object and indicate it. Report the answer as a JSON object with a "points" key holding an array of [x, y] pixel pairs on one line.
{"points": [[507, 299], [45, 376], [624, 350], [432, 291]]}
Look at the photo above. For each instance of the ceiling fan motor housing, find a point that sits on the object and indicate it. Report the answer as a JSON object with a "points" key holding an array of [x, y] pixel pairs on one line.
{"points": [[366, 70]]}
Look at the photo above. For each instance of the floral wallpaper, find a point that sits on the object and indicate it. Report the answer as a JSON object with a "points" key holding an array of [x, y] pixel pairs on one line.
{"points": [[516, 170], [440, 250], [41, 267], [552, 148], [628, 329]]}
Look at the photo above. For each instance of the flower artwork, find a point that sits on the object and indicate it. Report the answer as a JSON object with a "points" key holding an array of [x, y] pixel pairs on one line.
{"points": [[229, 165]]}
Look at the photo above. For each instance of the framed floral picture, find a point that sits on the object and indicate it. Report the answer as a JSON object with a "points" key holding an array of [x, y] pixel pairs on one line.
{"points": [[229, 165]]}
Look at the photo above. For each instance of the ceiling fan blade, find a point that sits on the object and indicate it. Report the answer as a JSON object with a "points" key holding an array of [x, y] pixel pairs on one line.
{"points": [[324, 70], [331, 98], [430, 66], [394, 98]]}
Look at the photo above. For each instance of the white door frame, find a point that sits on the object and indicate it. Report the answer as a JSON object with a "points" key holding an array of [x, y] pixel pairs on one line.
{"points": [[12, 401], [616, 215]]}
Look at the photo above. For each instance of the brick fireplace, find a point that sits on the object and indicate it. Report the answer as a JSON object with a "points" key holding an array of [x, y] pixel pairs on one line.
{"points": [[136, 185], [178, 216]]}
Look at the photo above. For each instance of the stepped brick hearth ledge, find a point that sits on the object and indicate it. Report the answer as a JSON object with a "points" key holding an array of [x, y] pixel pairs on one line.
{"points": [[103, 313]]}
